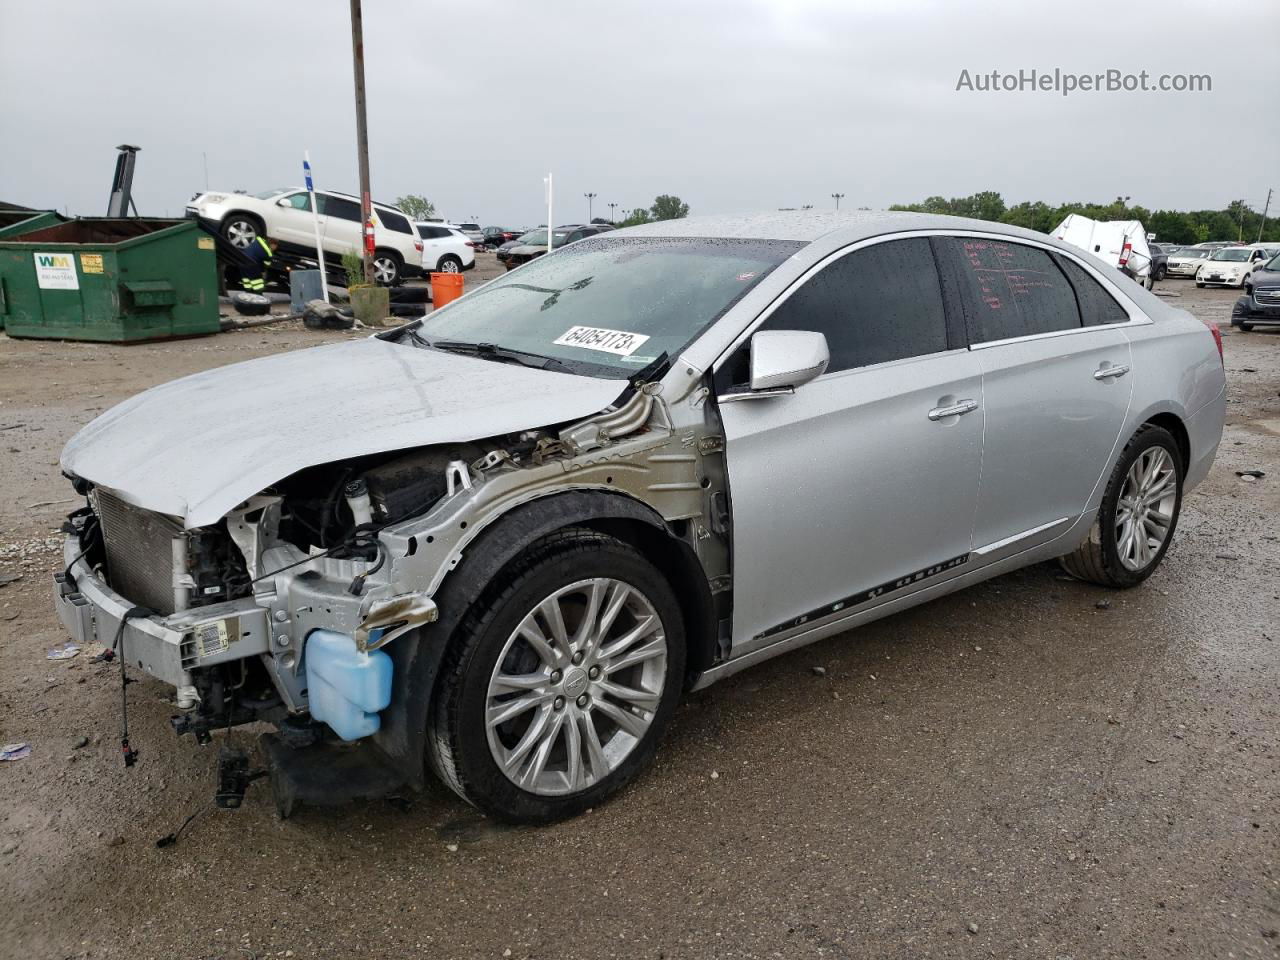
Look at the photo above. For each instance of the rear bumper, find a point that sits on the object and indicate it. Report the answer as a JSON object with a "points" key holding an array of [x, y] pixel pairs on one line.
{"points": [[167, 648]]}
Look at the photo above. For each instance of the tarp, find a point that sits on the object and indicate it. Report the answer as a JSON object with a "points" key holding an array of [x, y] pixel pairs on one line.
{"points": [[1106, 240]]}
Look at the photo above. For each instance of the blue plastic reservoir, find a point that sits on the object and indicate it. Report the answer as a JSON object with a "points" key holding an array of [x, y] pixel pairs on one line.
{"points": [[346, 688]]}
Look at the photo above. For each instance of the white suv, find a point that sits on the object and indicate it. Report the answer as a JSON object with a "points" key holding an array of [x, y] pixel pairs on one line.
{"points": [[445, 249], [284, 215]]}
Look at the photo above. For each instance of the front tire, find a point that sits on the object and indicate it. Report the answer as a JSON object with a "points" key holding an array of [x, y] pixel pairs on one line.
{"points": [[241, 230], [560, 682], [1138, 516]]}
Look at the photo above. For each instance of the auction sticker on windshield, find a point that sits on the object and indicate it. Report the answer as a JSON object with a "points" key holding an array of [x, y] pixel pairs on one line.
{"points": [[618, 342]]}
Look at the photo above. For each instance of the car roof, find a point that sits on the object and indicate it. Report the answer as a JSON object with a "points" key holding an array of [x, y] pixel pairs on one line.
{"points": [[810, 225]]}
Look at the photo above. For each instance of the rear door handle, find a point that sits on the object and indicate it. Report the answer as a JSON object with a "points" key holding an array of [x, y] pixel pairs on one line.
{"points": [[1110, 370], [957, 409]]}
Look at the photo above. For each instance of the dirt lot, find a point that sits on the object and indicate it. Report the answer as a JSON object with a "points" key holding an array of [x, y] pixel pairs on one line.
{"points": [[1019, 770]]}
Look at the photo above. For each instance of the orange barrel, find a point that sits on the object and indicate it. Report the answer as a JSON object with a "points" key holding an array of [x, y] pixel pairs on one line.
{"points": [[445, 288]]}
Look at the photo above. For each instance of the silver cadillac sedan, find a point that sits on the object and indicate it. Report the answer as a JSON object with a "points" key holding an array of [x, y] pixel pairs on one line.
{"points": [[498, 543]]}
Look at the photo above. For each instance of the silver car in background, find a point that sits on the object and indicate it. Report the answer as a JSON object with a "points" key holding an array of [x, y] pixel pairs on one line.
{"points": [[500, 542]]}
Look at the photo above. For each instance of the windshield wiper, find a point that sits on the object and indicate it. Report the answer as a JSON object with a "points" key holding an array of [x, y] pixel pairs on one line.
{"points": [[491, 351]]}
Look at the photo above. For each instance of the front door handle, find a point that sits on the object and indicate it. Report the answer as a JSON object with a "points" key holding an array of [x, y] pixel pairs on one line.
{"points": [[957, 409], [1107, 370]]}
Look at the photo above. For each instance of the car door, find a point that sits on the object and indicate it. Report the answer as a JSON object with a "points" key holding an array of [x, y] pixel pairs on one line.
{"points": [[863, 483], [1055, 390], [291, 221], [342, 231]]}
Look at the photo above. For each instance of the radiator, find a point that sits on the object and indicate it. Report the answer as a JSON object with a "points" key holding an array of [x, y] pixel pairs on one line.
{"points": [[139, 546]]}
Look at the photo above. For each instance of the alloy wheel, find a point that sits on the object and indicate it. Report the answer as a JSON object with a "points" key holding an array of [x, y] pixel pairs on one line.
{"points": [[1144, 511], [448, 266], [384, 270], [241, 234], [576, 686]]}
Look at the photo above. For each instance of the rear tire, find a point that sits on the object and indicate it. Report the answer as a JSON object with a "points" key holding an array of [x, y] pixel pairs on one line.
{"points": [[1245, 327], [537, 648], [449, 264], [387, 268], [1145, 486]]}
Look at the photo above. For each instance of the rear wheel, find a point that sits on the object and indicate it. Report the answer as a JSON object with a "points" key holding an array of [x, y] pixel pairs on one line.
{"points": [[1138, 515], [1245, 327], [558, 686], [386, 268], [449, 264]]}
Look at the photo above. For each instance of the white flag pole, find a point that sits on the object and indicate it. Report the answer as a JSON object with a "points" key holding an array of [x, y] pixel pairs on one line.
{"points": [[315, 223], [550, 232]]}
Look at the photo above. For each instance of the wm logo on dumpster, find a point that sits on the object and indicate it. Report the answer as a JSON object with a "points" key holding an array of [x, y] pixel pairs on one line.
{"points": [[58, 261]]}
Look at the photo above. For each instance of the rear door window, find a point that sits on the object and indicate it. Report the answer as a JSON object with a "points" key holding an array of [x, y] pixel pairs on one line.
{"points": [[394, 221], [880, 303], [340, 207], [1096, 305], [1008, 289]]}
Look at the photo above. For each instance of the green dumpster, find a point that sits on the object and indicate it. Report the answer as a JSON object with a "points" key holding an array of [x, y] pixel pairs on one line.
{"points": [[120, 281], [14, 222]]}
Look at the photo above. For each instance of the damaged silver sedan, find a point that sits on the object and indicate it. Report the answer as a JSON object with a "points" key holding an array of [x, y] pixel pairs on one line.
{"points": [[498, 543]]}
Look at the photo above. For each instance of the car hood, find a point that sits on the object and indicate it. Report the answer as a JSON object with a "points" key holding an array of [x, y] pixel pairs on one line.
{"points": [[525, 249], [1266, 279], [197, 447]]}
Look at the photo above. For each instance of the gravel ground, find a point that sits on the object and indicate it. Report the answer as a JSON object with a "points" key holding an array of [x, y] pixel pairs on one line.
{"points": [[1031, 768]]}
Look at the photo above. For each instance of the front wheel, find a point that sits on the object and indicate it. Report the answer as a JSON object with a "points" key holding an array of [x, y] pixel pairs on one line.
{"points": [[1138, 515], [559, 684], [241, 230]]}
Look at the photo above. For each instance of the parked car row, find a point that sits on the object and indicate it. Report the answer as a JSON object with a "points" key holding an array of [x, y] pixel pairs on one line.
{"points": [[1233, 266]]}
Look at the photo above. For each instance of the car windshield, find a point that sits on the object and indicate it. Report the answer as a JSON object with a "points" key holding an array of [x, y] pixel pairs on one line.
{"points": [[468, 226], [1273, 265], [268, 194], [1193, 254], [609, 306], [1231, 253]]}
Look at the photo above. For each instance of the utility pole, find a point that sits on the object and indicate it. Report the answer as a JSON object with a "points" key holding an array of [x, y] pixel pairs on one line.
{"points": [[612, 218], [362, 137], [1265, 209], [837, 197], [590, 197], [1240, 235]]}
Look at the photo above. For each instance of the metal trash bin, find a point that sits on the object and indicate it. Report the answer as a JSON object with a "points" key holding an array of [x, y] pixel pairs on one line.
{"points": [[111, 280]]}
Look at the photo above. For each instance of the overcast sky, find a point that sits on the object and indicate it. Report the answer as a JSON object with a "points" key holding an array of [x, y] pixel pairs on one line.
{"points": [[733, 106]]}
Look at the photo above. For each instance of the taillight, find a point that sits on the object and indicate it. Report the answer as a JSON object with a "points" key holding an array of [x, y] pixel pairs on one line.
{"points": [[417, 245], [471, 244], [1124, 254], [1217, 338]]}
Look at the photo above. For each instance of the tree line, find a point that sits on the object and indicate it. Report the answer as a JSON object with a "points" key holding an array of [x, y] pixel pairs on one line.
{"points": [[1238, 221]]}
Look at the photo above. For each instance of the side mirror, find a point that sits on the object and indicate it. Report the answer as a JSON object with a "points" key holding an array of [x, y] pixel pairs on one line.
{"points": [[782, 360], [787, 358], [283, 202]]}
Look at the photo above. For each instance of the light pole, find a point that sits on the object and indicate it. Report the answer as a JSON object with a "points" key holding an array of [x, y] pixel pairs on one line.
{"points": [[612, 218], [590, 197], [836, 197], [362, 139]]}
